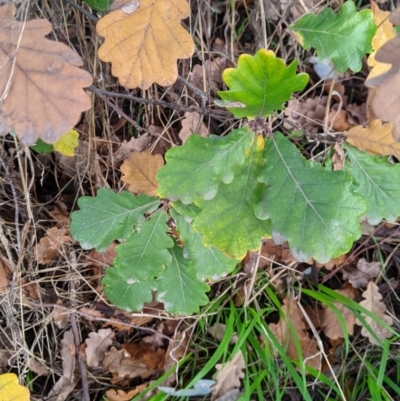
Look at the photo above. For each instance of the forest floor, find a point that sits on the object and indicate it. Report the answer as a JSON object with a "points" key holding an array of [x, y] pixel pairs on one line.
{"points": [[59, 333]]}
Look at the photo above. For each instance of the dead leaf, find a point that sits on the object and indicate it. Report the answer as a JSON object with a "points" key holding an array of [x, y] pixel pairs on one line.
{"points": [[126, 148], [330, 323], [213, 70], [140, 171], [41, 85], [144, 46], [151, 357], [218, 330], [384, 102], [283, 332], [38, 368], [120, 395], [332, 263], [361, 276], [68, 380], [122, 366], [338, 157], [5, 274], [103, 259], [357, 114], [229, 375], [51, 244], [376, 139], [384, 33], [96, 346], [60, 316], [189, 125], [373, 302]]}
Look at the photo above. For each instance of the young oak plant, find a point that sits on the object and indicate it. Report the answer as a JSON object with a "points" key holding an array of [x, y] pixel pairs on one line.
{"points": [[224, 194]]}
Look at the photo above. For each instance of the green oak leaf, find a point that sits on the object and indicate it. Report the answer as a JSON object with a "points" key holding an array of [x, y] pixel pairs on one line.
{"points": [[260, 85], [195, 169], [179, 288], [189, 212], [343, 38], [108, 217], [310, 207], [378, 182], [127, 294], [208, 262], [99, 5], [144, 255], [228, 222], [42, 147]]}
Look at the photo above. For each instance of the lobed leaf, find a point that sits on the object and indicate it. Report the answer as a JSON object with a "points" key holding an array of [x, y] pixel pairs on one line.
{"points": [[228, 221], [207, 262], [41, 89], [144, 255], [195, 169], [310, 207], [99, 5], [344, 38], [260, 85], [378, 182], [144, 45], [179, 288], [128, 295], [108, 217]]}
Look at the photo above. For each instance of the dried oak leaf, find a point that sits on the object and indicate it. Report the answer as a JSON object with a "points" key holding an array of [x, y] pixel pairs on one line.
{"points": [[5, 274], [190, 125], [373, 302], [41, 86], [229, 375], [330, 323], [377, 139], [144, 46], [121, 395], [50, 245], [96, 346], [283, 332], [361, 276], [140, 171]]}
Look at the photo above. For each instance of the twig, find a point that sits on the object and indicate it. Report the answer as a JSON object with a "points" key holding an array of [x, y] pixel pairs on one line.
{"points": [[81, 10], [15, 201], [74, 327], [174, 106], [117, 109]]}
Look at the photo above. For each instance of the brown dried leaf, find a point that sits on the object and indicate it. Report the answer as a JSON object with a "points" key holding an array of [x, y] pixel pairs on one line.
{"points": [[145, 45], [332, 263], [330, 323], [361, 276], [338, 157], [126, 148], [38, 368], [218, 330], [140, 171], [120, 395], [189, 125], [377, 139], [41, 84], [213, 70], [4, 276], [229, 375], [68, 352], [50, 245], [283, 332], [373, 302], [97, 345], [103, 259], [60, 316], [151, 357]]}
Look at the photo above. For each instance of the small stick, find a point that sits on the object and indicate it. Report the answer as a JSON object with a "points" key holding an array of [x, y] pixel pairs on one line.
{"points": [[74, 327]]}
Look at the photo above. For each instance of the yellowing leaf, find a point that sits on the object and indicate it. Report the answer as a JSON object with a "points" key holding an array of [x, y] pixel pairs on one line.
{"points": [[377, 139], [67, 143], [384, 33], [10, 389], [140, 171], [144, 46], [41, 86], [373, 302]]}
